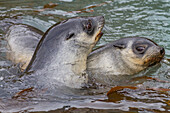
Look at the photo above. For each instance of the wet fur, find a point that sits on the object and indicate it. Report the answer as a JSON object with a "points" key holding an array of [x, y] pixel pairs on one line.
{"points": [[61, 60], [118, 58]]}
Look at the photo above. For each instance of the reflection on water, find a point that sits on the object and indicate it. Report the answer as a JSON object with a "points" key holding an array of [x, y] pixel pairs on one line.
{"points": [[123, 18]]}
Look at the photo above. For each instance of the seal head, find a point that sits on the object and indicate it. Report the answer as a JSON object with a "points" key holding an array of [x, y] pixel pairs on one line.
{"points": [[140, 51], [126, 56], [61, 54]]}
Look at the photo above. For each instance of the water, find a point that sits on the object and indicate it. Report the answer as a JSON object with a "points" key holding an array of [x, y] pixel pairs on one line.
{"points": [[124, 18]]}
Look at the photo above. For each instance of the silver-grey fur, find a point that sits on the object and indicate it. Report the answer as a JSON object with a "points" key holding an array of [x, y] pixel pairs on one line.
{"points": [[61, 54], [118, 58]]}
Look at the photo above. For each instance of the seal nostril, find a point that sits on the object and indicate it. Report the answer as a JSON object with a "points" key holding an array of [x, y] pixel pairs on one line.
{"points": [[162, 51]]}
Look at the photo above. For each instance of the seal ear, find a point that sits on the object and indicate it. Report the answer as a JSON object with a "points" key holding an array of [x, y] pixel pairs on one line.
{"points": [[119, 45], [70, 35]]}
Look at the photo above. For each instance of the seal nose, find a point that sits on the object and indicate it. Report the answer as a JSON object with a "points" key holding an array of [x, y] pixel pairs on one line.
{"points": [[162, 51]]}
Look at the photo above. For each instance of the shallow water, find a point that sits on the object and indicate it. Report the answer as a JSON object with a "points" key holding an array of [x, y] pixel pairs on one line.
{"points": [[124, 18]]}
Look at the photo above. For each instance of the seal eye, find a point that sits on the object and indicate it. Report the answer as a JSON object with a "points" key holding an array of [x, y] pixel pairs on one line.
{"points": [[88, 27], [69, 36], [140, 49]]}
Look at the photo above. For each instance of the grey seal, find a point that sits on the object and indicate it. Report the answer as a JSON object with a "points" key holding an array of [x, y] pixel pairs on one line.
{"points": [[61, 54]]}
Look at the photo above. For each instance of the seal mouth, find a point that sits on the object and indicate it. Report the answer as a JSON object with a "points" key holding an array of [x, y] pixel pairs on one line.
{"points": [[154, 61], [152, 64], [99, 35], [100, 21]]}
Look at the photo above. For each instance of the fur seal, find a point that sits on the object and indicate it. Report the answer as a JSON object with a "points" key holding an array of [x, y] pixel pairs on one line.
{"points": [[126, 56], [61, 54], [120, 57]]}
